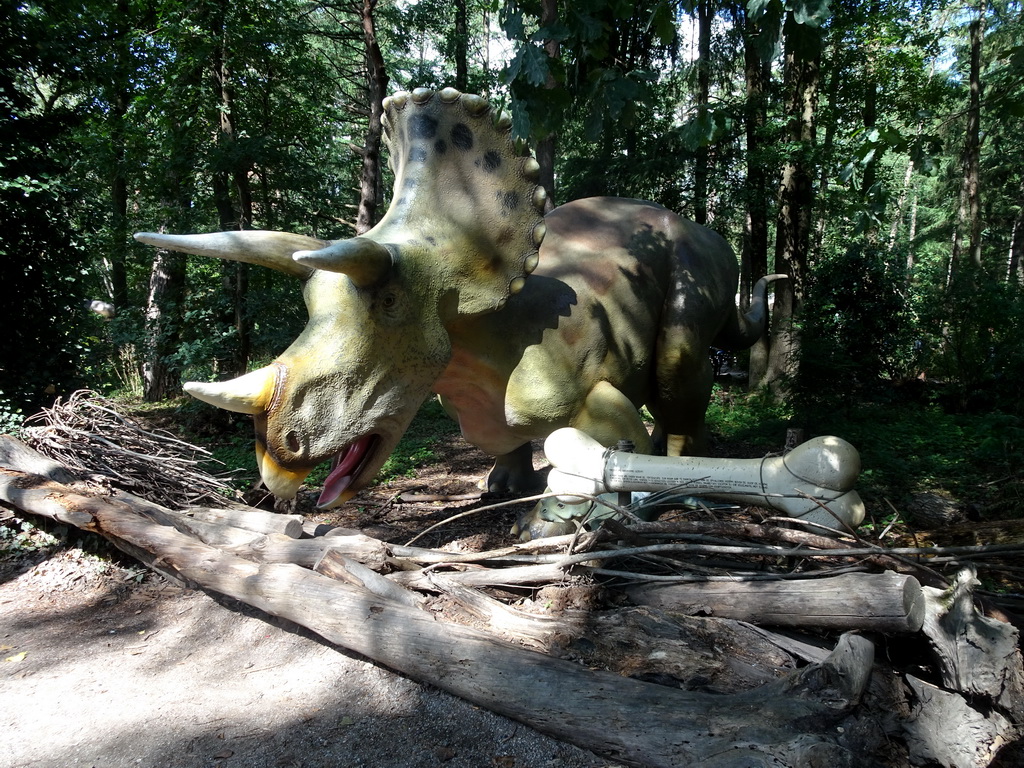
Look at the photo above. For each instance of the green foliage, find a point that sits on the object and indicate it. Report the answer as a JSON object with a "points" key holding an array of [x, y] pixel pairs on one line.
{"points": [[45, 269], [752, 418], [906, 446], [129, 92], [858, 330], [421, 41], [974, 342], [605, 73], [629, 163], [11, 417], [235, 458], [21, 537]]}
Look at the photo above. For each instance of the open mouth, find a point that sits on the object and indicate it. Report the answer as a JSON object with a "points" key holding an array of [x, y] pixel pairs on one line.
{"points": [[346, 468]]}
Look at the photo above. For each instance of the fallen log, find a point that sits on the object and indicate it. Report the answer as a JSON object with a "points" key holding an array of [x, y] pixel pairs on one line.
{"points": [[881, 602], [965, 723], [39, 496], [945, 729], [257, 520], [544, 632], [689, 652], [335, 565], [14, 454], [478, 576], [787, 723], [977, 656]]}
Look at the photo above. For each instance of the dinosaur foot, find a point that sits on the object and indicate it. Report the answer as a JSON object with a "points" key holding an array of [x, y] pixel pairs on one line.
{"points": [[543, 521], [513, 474]]}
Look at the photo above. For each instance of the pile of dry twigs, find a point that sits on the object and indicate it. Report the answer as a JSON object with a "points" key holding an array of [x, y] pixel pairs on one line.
{"points": [[88, 435]]}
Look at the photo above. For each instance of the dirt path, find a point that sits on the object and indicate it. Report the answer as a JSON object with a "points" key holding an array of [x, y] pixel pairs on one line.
{"points": [[106, 666]]}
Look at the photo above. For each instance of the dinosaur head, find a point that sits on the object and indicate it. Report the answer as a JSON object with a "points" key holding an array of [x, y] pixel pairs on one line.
{"points": [[460, 236]]}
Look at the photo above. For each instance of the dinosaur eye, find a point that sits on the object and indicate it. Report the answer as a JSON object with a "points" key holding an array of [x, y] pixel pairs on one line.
{"points": [[388, 301]]}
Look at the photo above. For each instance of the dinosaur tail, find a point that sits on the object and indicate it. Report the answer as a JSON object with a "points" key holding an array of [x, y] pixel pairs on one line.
{"points": [[744, 328]]}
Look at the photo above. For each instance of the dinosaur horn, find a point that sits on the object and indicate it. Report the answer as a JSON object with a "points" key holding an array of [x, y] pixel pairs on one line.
{"points": [[253, 246], [365, 261], [250, 393]]}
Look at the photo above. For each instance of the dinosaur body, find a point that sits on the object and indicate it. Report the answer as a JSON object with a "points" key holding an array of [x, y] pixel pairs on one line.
{"points": [[608, 322], [521, 324]]}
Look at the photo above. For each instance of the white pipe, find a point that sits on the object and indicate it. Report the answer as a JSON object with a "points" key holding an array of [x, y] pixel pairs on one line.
{"points": [[818, 472]]}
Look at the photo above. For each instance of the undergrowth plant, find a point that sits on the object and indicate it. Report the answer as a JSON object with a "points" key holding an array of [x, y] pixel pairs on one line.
{"points": [[906, 447], [755, 418]]}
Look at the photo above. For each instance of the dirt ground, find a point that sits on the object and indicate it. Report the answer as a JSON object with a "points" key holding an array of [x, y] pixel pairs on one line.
{"points": [[106, 666]]}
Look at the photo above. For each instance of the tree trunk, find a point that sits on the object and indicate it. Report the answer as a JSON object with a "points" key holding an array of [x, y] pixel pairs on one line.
{"points": [[870, 120], [163, 313], [796, 198], [972, 164], [376, 87], [900, 209], [547, 146], [461, 33], [976, 711], [233, 173], [970, 194], [1015, 264], [163, 323], [116, 258], [754, 254], [701, 169], [827, 145]]}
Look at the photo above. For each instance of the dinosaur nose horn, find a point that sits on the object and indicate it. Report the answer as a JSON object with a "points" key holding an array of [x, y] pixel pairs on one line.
{"points": [[365, 261], [267, 249], [250, 393]]}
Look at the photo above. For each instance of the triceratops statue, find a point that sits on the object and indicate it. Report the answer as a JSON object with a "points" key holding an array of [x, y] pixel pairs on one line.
{"points": [[521, 323]]}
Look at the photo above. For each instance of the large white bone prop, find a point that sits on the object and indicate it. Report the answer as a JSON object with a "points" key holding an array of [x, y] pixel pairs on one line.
{"points": [[820, 471]]}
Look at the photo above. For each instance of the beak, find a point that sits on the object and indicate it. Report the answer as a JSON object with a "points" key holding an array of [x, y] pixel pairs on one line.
{"points": [[283, 483]]}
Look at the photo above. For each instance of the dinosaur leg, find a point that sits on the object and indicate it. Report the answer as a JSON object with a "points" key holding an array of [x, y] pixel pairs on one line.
{"points": [[512, 473], [608, 416], [685, 378]]}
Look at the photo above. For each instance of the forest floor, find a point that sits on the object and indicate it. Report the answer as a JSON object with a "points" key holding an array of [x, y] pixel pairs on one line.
{"points": [[104, 664]]}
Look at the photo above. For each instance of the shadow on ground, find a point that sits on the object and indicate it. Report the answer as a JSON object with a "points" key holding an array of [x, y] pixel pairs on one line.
{"points": [[115, 673]]}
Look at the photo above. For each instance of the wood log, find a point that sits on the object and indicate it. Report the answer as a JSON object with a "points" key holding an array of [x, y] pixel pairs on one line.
{"points": [[41, 497], [251, 519], [788, 723], [978, 656], [478, 576], [265, 547], [772, 534], [980, 666], [31, 493], [689, 652], [544, 632], [944, 729], [884, 602], [335, 565], [14, 454]]}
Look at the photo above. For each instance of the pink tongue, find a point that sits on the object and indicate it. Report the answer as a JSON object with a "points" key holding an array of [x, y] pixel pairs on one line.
{"points": [[343, 470]]}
